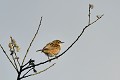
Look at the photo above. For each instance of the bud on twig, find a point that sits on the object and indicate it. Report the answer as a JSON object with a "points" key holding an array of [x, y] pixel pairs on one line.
{"points": [[13, 44], [91, 6]]}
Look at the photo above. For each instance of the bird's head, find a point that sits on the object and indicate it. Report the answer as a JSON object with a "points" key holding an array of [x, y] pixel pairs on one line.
{"points": [[57, 42]]}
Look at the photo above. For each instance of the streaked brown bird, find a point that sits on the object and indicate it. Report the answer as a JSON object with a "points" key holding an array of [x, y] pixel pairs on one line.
{"points": [[52, 48]]}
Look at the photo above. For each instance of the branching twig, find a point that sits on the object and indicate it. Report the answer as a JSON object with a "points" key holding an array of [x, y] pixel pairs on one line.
{"points": [[68, 47], [27, 72], [32, 41], [39, 71], [25, 64], [8, 57]]}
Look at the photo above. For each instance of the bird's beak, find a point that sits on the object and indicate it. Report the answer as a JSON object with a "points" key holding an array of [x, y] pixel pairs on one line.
{"points": [[62, 42]]}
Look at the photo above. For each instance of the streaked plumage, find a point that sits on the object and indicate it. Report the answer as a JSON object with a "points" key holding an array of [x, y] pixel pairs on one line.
{"points": [[52, 48]]}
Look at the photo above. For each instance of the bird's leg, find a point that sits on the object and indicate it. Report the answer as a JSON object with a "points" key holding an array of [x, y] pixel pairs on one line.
{"points": [[49, 59], [56, 57]]}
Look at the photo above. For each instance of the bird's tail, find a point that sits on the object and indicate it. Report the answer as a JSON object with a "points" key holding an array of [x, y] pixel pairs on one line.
{"points": [[39, 50]]}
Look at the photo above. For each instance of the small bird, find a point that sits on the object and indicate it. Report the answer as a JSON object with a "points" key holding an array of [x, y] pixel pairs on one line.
{"points": [[52, 48]]}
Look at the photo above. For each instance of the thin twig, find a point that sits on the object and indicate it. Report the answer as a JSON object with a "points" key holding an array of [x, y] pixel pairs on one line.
{"points": [[17, 59], [8, 57], [28, 63], [68, 47], [89, 14], [14, 58], [14, 62], [39, 71], [25, 64], [32, 41], [27, 72]]}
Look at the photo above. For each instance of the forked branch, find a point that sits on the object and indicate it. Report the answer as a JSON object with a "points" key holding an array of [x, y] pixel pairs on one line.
{"points": [[32, 41], [37, 72], [68, 47]]}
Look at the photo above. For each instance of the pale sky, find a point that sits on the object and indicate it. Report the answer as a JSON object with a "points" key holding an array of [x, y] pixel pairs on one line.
{"points": [[96, 56]]}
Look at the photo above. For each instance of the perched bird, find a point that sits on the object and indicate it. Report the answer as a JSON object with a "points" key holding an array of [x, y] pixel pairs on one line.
{"points": [[52, 48]]}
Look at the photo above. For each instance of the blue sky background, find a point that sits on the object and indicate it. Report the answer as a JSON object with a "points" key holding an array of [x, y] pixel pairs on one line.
{"points": [[96, 56]]}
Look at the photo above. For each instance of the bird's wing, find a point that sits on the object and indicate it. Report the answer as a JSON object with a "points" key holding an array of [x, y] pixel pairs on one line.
{"points": [[51, 46], [47, 46]]}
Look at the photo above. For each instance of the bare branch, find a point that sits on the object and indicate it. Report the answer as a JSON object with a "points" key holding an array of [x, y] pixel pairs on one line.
{"points": [[32, 41], [8, 57], [39, 71], [68, 47]]}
